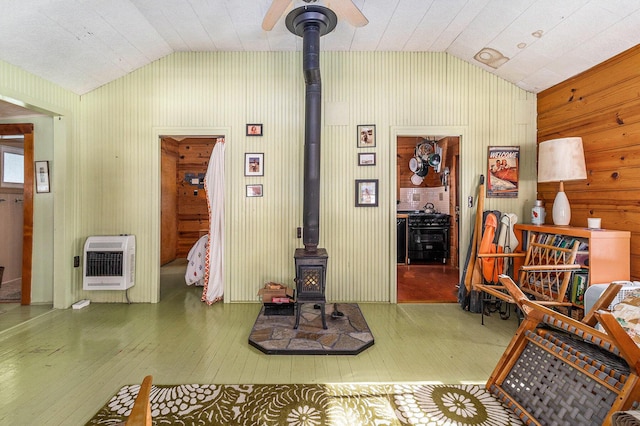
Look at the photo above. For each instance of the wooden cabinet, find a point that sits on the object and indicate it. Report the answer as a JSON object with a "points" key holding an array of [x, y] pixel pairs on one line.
{"points": [[608, 250]]}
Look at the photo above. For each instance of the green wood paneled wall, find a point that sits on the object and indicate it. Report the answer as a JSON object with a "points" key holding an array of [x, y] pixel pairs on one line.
{"points": [[117, 157]]}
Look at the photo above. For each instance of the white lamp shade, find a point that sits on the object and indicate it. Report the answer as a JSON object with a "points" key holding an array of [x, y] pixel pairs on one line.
{"points": [[561, 160]]}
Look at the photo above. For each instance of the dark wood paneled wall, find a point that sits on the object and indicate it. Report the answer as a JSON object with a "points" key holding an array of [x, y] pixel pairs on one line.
{"points": [[451, 160], [601, 105], [193, 214], [169, 203], [185, 216]]}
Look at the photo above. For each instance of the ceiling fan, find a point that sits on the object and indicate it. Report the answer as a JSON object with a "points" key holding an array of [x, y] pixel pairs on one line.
{"points": [[344, 8]]}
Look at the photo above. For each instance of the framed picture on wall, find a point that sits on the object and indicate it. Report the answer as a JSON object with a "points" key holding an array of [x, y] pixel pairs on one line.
{"points": [[254, 190], [503, 163], [367, 159], [42, 176], [366, 135], [367, 193], [254, 129], [254, 164]]}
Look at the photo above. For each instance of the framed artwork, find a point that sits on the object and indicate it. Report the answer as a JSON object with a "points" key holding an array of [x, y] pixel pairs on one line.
{"points": [[503, 163], [254, 164], [42, 176], [367, 193], [254, 190], [254, 129], [367, 159], [366, 135]]}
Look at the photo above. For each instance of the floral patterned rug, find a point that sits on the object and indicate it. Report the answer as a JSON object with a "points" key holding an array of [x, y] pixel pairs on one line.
{"points": [[313, 405]]}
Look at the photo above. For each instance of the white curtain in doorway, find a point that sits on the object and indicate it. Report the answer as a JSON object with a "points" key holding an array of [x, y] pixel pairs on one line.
{"points": [[214, 188]]}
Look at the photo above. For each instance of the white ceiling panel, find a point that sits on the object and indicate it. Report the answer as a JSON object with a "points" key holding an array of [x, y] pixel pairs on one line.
{"points": [[434, 26], [403, 23], [464, 16], [81, 44]]}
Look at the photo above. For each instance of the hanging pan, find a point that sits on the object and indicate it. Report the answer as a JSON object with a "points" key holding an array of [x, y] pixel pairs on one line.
{"points": [[416, 180], [433, 160], [423, 149], [423, 170], [414, 164]]}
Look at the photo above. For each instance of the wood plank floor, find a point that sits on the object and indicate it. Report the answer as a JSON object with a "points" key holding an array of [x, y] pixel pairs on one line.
{"points": [[427, 283], [60, 367]]}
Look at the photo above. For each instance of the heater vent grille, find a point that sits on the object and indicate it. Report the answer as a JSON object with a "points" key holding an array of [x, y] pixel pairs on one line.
{"points": [[104, 263], [109, 262]]}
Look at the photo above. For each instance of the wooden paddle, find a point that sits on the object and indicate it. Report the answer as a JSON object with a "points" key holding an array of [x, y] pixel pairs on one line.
{"points": [[476, 276], [472, 271]]}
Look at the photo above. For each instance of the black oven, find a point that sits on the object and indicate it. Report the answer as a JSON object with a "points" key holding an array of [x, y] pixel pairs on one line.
{"points": [[428, 237]]}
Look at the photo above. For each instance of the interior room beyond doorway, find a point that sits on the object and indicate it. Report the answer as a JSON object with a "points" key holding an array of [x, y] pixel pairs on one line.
{"points": [[427, 208]]}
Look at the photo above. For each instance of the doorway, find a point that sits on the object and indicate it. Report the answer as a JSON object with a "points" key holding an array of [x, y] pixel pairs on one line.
{"points": [[21, 268], [424, 274], [184, 214]]}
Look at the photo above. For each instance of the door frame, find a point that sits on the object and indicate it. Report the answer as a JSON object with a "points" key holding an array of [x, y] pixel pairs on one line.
{"points": [[416, 131], [158, 134]]}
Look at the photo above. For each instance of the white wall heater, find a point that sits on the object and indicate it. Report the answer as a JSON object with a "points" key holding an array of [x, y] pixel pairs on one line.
{"points": [[109, 262]]}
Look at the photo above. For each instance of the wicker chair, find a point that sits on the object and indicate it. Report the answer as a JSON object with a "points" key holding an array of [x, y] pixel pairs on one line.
{"points": [[545, 275], [557, 370]]}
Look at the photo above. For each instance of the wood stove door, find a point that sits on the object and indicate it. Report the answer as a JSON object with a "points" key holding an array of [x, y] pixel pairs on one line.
{"points": [[310, 283]]}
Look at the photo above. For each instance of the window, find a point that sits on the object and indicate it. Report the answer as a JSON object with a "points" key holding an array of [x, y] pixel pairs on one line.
{"points": [[11, 167]]}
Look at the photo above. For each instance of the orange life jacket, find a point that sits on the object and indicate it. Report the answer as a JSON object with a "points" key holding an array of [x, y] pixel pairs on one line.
{"points": [[491, 266]]}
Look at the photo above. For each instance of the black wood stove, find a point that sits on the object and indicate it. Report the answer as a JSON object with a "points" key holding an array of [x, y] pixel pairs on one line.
{"points": [[310, 23]]}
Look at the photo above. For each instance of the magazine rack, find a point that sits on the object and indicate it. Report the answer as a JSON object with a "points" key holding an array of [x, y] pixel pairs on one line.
{"points": [[545, 275]]}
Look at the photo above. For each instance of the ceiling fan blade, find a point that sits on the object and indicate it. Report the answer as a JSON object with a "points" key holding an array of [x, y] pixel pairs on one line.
{"points": [[349, 11], [274, 13]]}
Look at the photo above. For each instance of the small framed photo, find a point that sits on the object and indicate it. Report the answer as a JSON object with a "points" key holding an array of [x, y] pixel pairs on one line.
{"points": [[367, 159], [367, 193], [254, 129], [366, 135], [254, 190], [254, 164], [42, 176]]}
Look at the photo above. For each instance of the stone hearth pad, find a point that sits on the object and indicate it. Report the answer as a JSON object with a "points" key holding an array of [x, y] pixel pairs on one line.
{"points": [[347, 334]]}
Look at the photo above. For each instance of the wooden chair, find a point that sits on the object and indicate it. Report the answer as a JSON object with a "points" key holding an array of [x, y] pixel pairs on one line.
{"points": [[141, 411], [545, 275], [557, 370]]}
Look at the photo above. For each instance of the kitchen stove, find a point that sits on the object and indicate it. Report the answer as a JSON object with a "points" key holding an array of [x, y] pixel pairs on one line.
{"points": [[428, 235]]}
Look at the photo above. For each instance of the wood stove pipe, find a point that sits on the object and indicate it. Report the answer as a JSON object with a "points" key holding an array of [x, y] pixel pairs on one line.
{"points": [[311, 22]]}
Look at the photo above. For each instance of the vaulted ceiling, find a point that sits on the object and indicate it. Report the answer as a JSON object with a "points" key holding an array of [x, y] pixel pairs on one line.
{"points": [[535, 44]]}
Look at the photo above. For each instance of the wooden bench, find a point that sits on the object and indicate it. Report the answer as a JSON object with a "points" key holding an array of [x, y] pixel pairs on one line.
{"points": [[557, 370]]}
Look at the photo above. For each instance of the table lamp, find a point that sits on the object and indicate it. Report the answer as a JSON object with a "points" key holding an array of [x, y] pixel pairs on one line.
{"points": [[561, 160]]}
